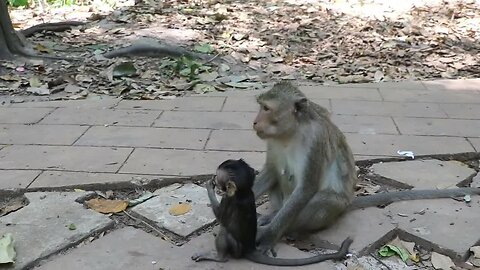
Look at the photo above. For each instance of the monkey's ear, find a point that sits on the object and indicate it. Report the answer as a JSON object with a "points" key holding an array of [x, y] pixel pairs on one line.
{"points": [[231, 188], [301, 104]]}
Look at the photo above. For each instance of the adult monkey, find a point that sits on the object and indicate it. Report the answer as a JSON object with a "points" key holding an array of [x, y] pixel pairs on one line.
{"points": [[309, 173]]}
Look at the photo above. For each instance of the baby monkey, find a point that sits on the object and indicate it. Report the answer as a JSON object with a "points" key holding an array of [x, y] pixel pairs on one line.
{"points": [[236, 213]]}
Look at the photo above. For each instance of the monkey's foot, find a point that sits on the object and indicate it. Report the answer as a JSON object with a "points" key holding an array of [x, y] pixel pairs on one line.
{"points": [[208, 256]]}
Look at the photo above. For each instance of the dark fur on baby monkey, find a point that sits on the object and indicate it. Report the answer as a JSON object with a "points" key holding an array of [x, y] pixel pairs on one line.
{"points": [[236, 213]]}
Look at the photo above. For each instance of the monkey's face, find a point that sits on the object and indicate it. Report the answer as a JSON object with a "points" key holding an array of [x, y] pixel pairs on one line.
{"points": [[234, 176], [224, 182], [275, 120]]}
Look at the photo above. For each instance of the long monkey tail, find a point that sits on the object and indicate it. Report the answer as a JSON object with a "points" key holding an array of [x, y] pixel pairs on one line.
{"points": [[264, 259], [406, 195]]}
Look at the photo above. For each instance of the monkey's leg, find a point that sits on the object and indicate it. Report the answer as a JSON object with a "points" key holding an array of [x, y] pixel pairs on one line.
{"points": [[222, 246], [321, 211], [275, 199]]}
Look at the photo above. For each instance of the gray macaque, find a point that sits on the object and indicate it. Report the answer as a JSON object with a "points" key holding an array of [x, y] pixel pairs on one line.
{"points": [[309, 173]]}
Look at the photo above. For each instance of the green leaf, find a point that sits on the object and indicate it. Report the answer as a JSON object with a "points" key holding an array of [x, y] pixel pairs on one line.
{"points": [[390, 250], [72, 227], [185, 72], [124, 69], [203, 88], [386, 252], [203, 48], [7, 250], [18, 3]]}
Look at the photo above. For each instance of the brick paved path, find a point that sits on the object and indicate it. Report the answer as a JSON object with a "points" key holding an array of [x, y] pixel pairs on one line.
{"points": [[72, 143]]}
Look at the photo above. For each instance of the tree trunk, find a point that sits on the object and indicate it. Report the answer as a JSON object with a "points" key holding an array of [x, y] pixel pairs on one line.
{"points": [[10, 42]]}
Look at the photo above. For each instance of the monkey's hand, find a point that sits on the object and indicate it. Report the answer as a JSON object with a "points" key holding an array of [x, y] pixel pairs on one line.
{"points": [[211, 194], [211, 184], [265, 240]]}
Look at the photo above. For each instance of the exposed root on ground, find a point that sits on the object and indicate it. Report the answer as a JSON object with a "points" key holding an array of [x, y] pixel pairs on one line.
{"points": [[52, 27], [152, 50]]}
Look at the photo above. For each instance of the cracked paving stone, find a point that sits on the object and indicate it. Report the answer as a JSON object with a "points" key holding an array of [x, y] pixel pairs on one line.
{"points": [[157, 209], [450, 224], [41, 228], [476, 181], [365, 226], [129, 248], [425, 174]]}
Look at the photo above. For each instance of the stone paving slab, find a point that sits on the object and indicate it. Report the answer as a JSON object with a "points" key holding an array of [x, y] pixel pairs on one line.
{"points": [[74, 116], [365, 124], [425, 174], [183, 162], [235, 140], [179, 104], [125, 248], [23, 115], [74, 158], [67, 179], [129, 248], [450, 224], [476, 181], [157, 209], [40, 134], [403, 85], [339, 92], [430, 95], [365, 226], [212, 120], [100, 103], [441, 127], [359, 107], [388, 145], [144, 137], [467, 111], [10, 179], [475, 142], [206, 242], [249, 104], [41, 228], [241, 104], [454, 85]]}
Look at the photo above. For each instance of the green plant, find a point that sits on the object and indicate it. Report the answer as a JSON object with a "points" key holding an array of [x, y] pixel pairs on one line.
{"points": [[18, 3]]}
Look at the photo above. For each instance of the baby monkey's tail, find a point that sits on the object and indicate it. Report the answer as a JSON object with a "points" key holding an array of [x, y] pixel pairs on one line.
{"points": [[264, 259]]}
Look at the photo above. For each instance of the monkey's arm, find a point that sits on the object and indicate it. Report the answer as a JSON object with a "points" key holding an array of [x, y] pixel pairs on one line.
{"points": [[264, 181], [212, 197], [268, 235], [389, 197]]}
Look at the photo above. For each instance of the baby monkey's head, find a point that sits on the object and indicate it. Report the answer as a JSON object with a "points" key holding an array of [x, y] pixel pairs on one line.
{"points": [[234, 176]]}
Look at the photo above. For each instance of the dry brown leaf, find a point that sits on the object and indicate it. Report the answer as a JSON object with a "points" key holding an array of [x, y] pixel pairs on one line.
{"points": [[107, 206], [180, 209], [409, 246], [476, 251], [440, 261]]}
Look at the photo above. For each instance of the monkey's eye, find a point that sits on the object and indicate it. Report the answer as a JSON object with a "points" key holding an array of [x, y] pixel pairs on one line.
{"points": [[265, 108]]}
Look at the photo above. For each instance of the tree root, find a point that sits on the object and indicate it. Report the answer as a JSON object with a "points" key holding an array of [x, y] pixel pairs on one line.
{"points": [[53, 27], [152, 50]]}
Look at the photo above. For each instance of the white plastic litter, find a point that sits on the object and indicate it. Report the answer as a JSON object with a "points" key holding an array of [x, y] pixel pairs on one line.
{"points": [[406, 153]]}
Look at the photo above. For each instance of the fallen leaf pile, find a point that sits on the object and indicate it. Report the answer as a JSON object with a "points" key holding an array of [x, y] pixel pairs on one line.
{"points": [[256, 40]]}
